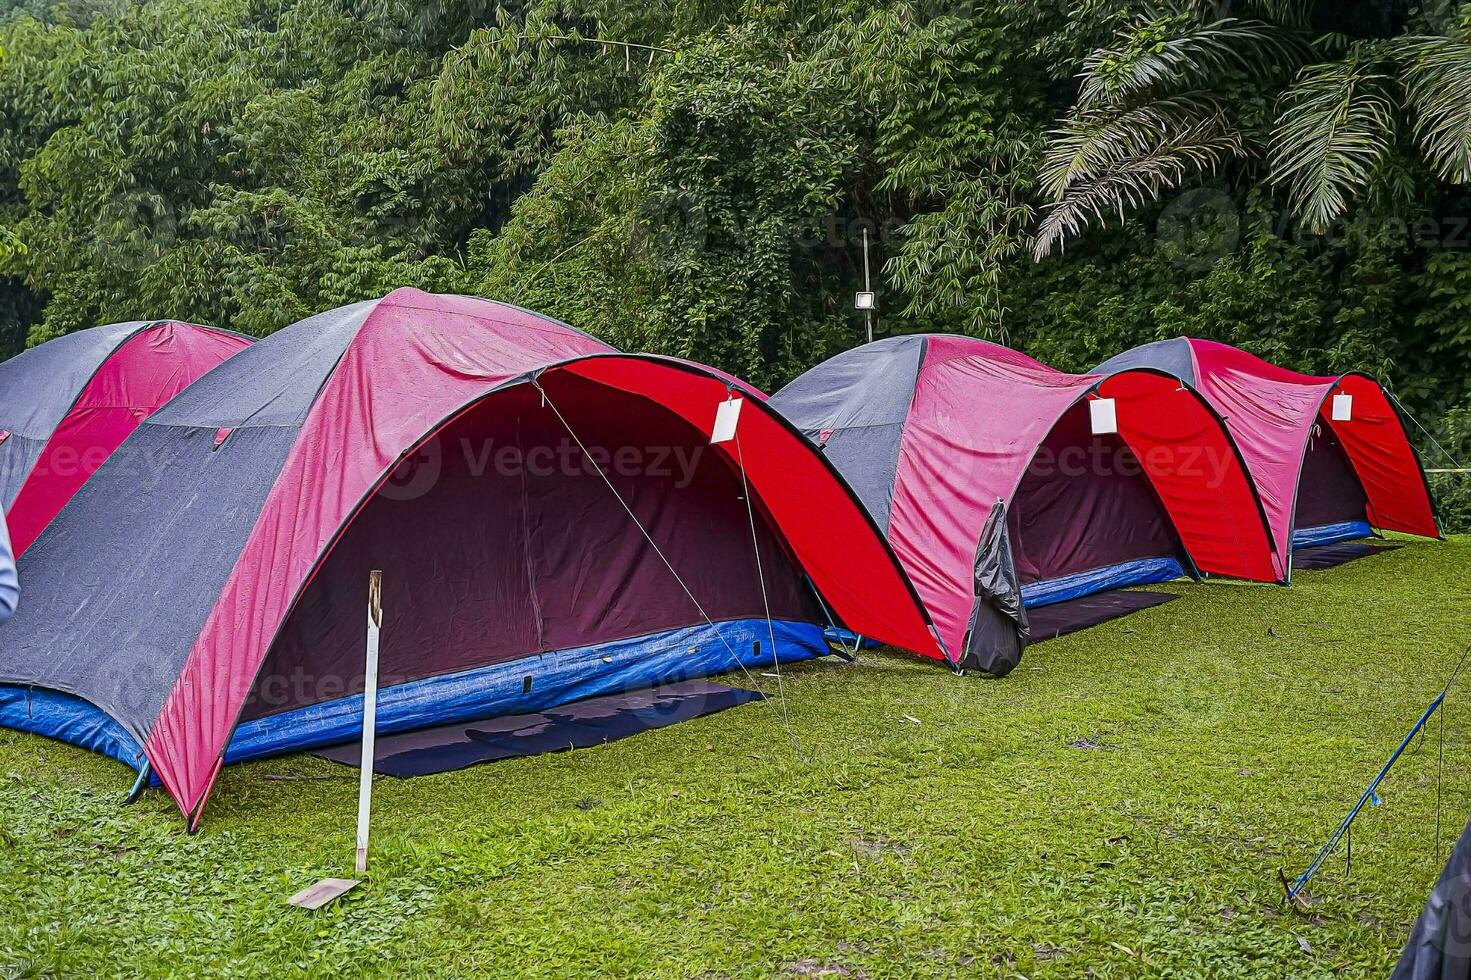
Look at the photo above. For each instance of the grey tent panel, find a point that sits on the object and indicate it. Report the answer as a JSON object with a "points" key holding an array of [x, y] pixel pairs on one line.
{"points": [[171, 480], [1170, 356], [18, 455], [99, 634], [998, 620], [854, 406], [39, 386], [259, 386], [1439, 947]]}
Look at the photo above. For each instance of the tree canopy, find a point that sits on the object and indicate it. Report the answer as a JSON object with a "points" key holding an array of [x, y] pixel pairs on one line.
{"points": [[696, 178]]}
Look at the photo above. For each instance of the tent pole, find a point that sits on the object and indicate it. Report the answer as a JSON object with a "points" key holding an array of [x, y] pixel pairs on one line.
{"points": [[140, 784], [867, 288], [847, 656]]}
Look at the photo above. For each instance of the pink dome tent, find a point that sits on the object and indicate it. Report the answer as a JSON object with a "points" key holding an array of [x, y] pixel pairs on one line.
{"points": [[1329, 455], [932, 430], [551, 518], [68, 403]]}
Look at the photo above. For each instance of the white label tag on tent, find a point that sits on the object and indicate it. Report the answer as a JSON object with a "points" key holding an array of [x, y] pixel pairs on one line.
{"points": [[1103, 415], [1343, 408], [725, 420]]}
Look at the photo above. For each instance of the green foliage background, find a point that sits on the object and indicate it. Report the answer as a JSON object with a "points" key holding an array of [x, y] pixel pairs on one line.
{"points": [[688, 178]]}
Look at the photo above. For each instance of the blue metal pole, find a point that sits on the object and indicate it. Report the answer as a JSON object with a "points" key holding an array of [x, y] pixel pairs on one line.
{"points": [[1369, 794]]}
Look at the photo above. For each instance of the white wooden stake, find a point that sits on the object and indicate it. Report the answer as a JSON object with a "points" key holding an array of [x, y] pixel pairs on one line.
{"points": [[370, 715]]}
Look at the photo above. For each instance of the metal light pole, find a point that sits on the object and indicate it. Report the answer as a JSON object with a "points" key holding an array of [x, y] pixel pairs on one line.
{"points": [[865, 300]]}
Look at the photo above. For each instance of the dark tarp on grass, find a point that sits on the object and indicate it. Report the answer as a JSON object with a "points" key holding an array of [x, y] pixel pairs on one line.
{"points": [[579, 725], [1333, 555], [211, 608], [1062, 618]]}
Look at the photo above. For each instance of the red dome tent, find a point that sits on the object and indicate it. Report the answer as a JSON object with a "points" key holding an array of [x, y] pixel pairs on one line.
{"points": [[932, 430], [550, 516], [68, 403], [1322, 476]]}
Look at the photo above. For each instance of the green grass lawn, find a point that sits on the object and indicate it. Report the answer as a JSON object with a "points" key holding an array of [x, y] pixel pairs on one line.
{"points": [[1118, 807]]}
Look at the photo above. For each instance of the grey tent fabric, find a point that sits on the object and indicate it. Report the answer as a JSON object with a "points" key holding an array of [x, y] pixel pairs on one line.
{"points": [[855, 409], [267, 388], [40, 385], [1172, 356], [998, 623], [1440, 944], [173, 479]]}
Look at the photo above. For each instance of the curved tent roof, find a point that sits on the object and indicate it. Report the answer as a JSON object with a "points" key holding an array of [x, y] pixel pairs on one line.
{"points": [[471, 450], [931, 430], [65, 405], [1320, 478]]}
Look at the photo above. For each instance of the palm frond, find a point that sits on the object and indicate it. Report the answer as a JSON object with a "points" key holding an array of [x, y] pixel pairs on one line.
{"points": [[1335, 125], [1437, 77], [1091, 141], [1133, 179], [1165, 53], [1296, 14]]}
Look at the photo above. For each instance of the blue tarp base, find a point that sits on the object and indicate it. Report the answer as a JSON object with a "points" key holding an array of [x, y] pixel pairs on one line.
{"points": [[69, 719], [1306, 537], [555, 678], [1144, 571]]}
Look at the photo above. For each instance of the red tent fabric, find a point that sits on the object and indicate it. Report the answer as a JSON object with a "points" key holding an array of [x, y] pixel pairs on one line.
{"points": [[144, 366], [1279, 417], [932, 430], [412, 368]]}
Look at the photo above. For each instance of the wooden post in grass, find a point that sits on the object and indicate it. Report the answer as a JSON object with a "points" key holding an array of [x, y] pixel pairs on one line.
{"points": [[329, 889], [370, 715]]}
